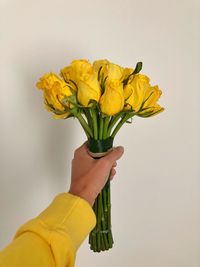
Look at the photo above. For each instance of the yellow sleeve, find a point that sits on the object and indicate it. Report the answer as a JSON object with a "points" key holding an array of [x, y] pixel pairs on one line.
{"points": [[52, 238]]}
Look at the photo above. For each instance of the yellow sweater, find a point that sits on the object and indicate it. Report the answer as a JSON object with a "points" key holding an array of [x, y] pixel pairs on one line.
{"points": [[52, 238]]}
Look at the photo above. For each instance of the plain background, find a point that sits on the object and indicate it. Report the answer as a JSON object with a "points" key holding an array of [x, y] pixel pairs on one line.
{"points": [[156, 193]]}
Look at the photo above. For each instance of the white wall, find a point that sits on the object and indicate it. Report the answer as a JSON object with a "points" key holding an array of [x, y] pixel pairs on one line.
{"points": [[156, 192]]}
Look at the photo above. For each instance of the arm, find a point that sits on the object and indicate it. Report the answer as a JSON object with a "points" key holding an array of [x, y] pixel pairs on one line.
{"points": [[52, 238]]}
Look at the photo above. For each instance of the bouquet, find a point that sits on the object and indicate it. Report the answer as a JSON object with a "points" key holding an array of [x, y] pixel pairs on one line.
{"points": [[102, 96]]}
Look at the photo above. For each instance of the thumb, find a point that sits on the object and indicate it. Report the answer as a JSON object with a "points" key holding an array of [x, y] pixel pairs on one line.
{"points": [[113, 155]]}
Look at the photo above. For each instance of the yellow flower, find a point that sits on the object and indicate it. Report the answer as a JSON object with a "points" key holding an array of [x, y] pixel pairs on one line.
{"points": [[126, 74], [152, 95], [100, 64], [144, 97], [113, 71], [62, 116], [88, 89], [128, 90], [86, 80], [108, 69], [150, 105], [69, 76], [76, 71], [138, 87], [54, 89], [112, 100], [81, 69]]}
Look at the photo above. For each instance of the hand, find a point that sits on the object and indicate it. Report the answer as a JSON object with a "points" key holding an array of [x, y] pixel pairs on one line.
{"points": [[88, 175]]}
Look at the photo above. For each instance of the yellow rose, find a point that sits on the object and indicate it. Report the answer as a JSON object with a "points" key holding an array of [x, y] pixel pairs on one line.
{"points": [[143, 97], [128, 90], [99, 64], [126, 74], [112, 100], [81, 69], [62, 116], [76, 71], [108, 69], [113, 71], [138, 87], [150, 105], [88, 89], [85, 78], [55, 89], [129, 73], [69, 76], [152, 95]]}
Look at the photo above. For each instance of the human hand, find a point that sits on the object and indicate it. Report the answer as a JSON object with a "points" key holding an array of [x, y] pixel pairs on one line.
{"points": [[88, 175]]}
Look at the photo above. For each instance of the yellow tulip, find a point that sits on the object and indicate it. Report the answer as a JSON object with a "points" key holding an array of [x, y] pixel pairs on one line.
{"points": [[112, 100], [55, 89]]}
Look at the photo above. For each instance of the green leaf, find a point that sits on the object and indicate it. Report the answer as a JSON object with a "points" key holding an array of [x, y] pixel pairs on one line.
{"points": [[138, 68]]}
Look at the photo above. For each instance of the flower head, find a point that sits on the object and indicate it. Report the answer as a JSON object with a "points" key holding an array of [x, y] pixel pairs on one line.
{"points": [[112, 100], [141, 97], [55, 90]]}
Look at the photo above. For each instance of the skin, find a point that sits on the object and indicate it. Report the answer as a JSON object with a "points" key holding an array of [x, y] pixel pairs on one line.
{"points": [[88, 175]]}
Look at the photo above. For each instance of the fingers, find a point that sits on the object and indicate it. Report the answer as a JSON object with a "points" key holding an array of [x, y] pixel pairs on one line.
{"points": [[112, 173], [82, 151], [115, 164], [112, 156]]}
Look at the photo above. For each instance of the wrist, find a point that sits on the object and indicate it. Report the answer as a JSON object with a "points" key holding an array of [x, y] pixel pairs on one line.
{"points": [[84, 195]]}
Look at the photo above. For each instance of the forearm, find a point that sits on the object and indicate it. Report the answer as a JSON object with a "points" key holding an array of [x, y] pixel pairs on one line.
{"points": [[52, 238]]}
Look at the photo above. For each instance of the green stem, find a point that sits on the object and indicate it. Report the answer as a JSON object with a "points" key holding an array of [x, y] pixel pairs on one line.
{"points": [[98, 224], [95, 125], [85, 126], [101, 128], [122, 121], [89, 119], [92, 236], [105, 205], [105, 128], [112, 122], [110, 238], [103, 222]]}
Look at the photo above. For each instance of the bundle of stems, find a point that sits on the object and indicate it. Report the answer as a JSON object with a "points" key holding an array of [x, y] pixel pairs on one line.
{"points": [[100, 128]]}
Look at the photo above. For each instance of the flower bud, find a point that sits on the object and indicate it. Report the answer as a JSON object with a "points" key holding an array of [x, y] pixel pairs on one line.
{"points": [[112, 101]]}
